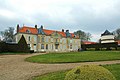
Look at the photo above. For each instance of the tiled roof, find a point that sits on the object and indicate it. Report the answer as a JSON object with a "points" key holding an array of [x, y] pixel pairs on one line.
{"points": [[72, 34], [47, 32], [62, 33], [25, 28], [106, 33], [118, 42], [88, 42]]}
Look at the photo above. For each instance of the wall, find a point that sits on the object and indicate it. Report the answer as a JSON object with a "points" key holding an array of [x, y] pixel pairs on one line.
{"points": [[63, 46], [107, 39]]}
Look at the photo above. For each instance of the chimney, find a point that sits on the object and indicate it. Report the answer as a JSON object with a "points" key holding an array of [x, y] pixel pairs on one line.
{"points": [[41, 26], [67, 31], [36, 26], [18, 28], [62, 30]]}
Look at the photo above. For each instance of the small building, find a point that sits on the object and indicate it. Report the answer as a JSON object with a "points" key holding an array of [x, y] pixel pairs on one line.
{"points": [[118, 41], [40, 39], [107, 37]]}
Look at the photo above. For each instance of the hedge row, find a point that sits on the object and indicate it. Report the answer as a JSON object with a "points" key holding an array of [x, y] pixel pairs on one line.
{"points": [[21, 46], [99, 46]]}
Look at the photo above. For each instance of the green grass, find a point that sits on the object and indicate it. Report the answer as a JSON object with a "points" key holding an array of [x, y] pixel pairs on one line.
{"points": [[52, 76], [114, 69], [73, 57], [12, 53]]}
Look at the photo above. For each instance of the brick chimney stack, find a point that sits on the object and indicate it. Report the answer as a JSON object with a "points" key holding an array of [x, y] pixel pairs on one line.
{"points": [[67, 31], [41, 26], [36, 26], [62, 30], [18, 28]]}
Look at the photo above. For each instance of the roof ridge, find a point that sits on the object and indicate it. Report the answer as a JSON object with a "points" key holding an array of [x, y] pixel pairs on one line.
{"points": [[54, 30], [28, 27]]}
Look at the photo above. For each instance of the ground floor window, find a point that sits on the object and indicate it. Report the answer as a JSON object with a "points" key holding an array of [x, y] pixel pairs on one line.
{"points": [[70, 46], [29, 38], [56, 46], [29, 46], [42, 46], [52, 46], [46, 46]]}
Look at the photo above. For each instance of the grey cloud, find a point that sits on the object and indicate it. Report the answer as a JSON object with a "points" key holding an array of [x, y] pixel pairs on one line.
{"points": [[83, 18], [87, 20]]}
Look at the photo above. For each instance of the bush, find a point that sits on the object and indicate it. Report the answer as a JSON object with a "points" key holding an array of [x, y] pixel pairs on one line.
{"points": [[89, 72], [31, 51], [20, 47]]}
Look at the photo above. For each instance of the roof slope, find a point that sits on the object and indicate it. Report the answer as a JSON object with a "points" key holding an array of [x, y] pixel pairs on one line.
{"points": [[25, 28], [106, 33], [31, 30]]}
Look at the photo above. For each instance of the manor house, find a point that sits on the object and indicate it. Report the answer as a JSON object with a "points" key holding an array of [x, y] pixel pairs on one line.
{"points": [[40, 39]]}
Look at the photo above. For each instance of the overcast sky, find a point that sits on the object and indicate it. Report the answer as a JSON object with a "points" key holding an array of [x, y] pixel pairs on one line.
{"points": [[94, 16]]}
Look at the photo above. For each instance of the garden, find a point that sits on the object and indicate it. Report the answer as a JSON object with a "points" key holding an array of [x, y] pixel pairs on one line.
{"points": [[60, 75], [77, 57]]}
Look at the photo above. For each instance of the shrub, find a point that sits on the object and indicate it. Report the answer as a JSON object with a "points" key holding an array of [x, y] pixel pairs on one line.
{"points": [[89, 72]]}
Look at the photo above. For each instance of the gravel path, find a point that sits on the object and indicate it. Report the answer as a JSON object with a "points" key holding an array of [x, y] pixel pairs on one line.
{"points": [[13, 67]]}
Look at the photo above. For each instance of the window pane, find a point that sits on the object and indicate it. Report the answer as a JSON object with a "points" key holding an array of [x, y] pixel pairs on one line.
{"points": [[29, 38], [42, 46], [46, 46], [56, 46], [42, 39]]}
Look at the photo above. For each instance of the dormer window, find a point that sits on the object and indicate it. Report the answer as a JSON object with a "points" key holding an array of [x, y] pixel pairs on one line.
{"points": [[28, 31]]}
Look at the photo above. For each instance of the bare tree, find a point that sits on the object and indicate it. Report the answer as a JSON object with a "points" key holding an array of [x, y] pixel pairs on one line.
{"points": [[83, 35], [8, 34], [117, 34]]}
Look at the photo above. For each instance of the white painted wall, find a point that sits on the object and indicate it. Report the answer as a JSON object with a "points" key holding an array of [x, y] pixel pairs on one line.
{"points": [[107, 37]]}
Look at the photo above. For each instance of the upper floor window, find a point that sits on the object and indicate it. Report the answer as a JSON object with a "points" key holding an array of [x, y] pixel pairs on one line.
{"points": [[35, 38], [70, 41], [47, 39], [38, 38], [51, 39], [61, 40], [42, 38], [56, 40]]}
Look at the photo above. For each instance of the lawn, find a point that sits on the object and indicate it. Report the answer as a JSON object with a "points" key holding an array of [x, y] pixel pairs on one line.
{"points": [[74, 57], [12, 53], [114, 69]]}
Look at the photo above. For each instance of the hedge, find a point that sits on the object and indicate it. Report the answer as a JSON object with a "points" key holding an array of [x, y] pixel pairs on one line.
{"points": [[21, 46], [99, 46]]}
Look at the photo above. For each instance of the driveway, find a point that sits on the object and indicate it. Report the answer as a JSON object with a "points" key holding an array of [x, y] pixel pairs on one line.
{"points": [[13, 67]]}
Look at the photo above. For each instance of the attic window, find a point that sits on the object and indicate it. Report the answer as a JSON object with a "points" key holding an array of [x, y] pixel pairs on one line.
{"points": [[27, 31]]}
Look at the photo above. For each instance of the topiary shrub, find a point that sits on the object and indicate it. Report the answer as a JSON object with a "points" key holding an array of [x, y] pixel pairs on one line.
{"points": [[89, 72]]}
